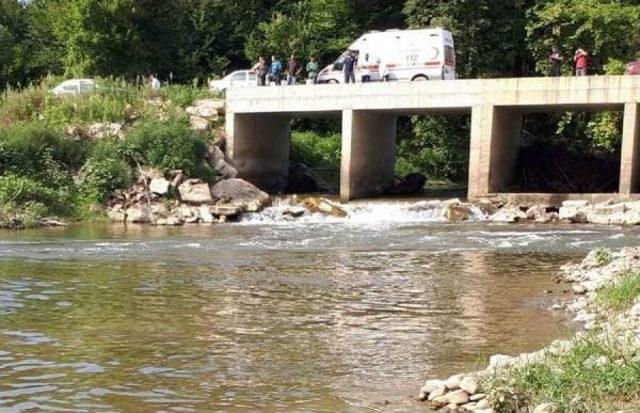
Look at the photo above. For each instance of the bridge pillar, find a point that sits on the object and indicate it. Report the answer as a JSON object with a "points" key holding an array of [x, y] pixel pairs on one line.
{"points": [[258, 145], [630, 162], [368, 153], [495, 145]]}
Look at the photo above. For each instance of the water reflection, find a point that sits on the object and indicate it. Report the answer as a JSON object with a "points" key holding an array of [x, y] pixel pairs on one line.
{"points": [[261, 330]]}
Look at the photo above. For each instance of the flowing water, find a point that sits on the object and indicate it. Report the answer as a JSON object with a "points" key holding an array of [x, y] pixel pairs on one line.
{"points": [[269, 315]]}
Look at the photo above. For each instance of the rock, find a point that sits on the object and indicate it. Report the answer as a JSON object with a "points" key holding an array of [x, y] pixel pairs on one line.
{"points": [[477, 397], [195, 191], [214, 155], [225, 170], [456, 397], [117, 214], [482, 404], [437, 392], [207, 108], [539, 214], [458, 213], [499, 361], [239, 191], [315, 205], [469, 384], [199, 124], [177, 179], [103, 130], [469, 407], [225, 210], [206, 217], [579, 289], [431, 385], [574, 211], [509, 214], [294, 211], [159, 186], [545, 408], [139, 215], [487, 208], [51, 222], [170, 221], [411, 184], [453, 382]]}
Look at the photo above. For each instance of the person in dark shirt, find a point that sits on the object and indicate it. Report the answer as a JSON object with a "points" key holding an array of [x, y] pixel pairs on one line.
{"points": [[293, 70], [555, 59], [349, 66], [262, 70]]}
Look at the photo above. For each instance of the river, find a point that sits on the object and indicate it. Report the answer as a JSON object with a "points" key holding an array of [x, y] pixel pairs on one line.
{"points": [[318, 315]]}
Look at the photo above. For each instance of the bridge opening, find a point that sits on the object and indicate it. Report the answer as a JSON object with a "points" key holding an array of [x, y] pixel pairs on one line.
{"points": [[577, 151], [436, 147]]}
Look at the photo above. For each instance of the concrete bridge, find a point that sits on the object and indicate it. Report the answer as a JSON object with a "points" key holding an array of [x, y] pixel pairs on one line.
{"points": [[258, 127]]}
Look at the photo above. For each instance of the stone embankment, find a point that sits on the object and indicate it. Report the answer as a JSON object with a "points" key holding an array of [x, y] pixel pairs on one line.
{"points": [[484, 391]]}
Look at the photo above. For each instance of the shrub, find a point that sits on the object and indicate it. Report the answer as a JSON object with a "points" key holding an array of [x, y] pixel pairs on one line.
{"points": [[183, 95], [169, 145], [21, 191], [603, 256], [316, 150], [622, 295], [41, 153], [101, 176], [17, 217]]}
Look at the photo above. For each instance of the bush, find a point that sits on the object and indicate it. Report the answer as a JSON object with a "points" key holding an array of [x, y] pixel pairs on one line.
{"points": [[41, 153], [102, 176], [17, 217], [169, 145], [21, 191], [316, 150], [183, 96]]}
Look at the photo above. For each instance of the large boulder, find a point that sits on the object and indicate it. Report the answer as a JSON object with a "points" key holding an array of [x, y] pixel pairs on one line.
{"points": [[139, 214], [574, 211], [199, 124], [238, 191], [159, 186], [207, 108], [195, 191], [509, 214]]}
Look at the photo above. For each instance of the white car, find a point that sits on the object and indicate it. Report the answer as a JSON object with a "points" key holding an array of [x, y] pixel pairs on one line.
{"points": [[75, 87], [239, 78]]}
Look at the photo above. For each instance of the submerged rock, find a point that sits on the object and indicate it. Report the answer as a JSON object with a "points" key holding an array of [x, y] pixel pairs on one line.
{"points": [[315, 205]]}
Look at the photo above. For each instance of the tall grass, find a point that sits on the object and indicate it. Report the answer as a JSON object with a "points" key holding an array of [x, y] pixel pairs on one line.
{"points": [[622, 295], [595, 376]]}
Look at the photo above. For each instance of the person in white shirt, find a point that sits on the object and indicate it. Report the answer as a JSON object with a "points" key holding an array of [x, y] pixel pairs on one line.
{"points": [[383, 71], [155, 83]]}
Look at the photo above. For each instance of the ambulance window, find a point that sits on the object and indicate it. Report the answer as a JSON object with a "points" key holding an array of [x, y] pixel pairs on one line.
{"points": [[449, 56]]}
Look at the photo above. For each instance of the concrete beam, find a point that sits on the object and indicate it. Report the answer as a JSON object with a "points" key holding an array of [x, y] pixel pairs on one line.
{"points": [[630, 159], [368, 153], [258, 145]]}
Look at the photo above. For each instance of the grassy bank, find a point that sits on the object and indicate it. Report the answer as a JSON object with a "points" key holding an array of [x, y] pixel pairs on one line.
{"points": [[51, 166], [599, 369]]}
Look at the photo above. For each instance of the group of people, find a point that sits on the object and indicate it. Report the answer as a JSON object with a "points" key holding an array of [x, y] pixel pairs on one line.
{"points": [[272, 72], [349, 66], [580, 60]]}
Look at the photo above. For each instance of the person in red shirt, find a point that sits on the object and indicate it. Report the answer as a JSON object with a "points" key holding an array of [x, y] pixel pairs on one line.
{"points": [[582, 62]]}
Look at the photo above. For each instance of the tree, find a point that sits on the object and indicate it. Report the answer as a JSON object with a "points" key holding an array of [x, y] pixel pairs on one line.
{"points": [[608, 29], [489, 34], [323, 28]]}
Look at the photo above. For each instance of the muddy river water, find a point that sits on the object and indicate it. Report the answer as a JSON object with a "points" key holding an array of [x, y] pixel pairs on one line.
{"points": [[269, 316]]}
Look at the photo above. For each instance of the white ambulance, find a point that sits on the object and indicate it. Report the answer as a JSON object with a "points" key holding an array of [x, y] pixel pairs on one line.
{"points": [[410, 55]]}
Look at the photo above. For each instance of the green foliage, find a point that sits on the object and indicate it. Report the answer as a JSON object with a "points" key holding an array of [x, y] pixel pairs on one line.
{"points": [[621, 295], [169, 145], [101, 176], [605, 28], [41, 153], [436, 146], [184, 95], [16, 217], [586, 379], [322, 28], [317, 150], [21, 191], [603, 256]]}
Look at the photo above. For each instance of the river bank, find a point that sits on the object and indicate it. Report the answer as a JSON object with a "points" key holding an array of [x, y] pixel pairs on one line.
{"points": [[596, 370]]}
